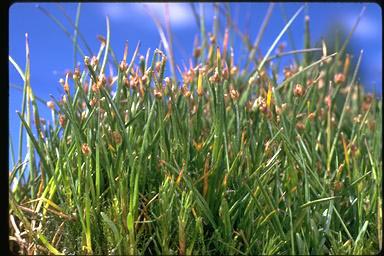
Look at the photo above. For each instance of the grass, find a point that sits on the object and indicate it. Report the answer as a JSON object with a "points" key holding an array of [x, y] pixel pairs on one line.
{"points": [[230, 162]]}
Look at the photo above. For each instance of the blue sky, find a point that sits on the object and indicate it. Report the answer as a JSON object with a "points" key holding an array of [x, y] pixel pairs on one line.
{"points": [[52, 51]]}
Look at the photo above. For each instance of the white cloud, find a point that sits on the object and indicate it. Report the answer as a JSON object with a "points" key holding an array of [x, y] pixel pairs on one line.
{"points": [[367, 27], [180, 13]]}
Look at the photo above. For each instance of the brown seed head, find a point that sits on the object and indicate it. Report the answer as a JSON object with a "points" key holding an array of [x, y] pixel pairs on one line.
{"points": [[76, 74], [66, 88], [212, 39], [298, 90], [158, 94], [203, 70], [372, 125], [158, 66], [287, 73], [234, 70], [311, 116], [321, 113], [85, 149], [117, 137], [234, 94], [321, 83], [86, 61], [62, 120], [86, 87], [61, 81], [338, 185], [101, 81], [300, 126], [197, 52], [251, 80], [51, 105], [214, 78], [94, 61], [93, 102], [123, 66], [257, 103], [368, 98], [366, 106], [187, 93], [281, 47], [339, 78], [95, 88], [167, 81], [357, 119], [353, 148], [225, 73], [144, 79]]}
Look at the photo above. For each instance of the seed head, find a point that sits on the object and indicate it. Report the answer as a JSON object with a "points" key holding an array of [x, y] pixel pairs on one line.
{"points": [[158, 66], [214, 78], [86, 60], [117, 137], [61, 81], [339, 78], [94, 61], [298, 90], [372, 125], [234, 94], [311, 116], [167, 81], [234, 70], [85, 149], [51, 105], [300, 126], [101, 81], [287, 73], [158, 94], [357, 119], [251, 80], [123, 66], [95, 88], [338, 185], [260, 104], [62, 120], [197, 52], [93, 102], [368, 98], [144, 79], [85, 87], [66, 88], [225, 73], [76, 74], [203, 70], [321, 83], [321, 113], [281, 48], [212, 39]]}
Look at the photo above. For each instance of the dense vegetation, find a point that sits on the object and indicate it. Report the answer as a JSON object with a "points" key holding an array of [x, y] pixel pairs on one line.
{"points": [[225, 161]]}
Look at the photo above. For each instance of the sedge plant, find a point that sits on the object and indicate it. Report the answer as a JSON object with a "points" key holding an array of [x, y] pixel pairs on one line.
{"points": [[219, 161]]}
